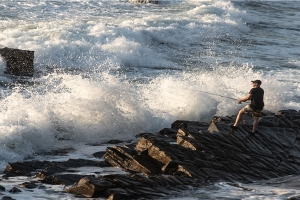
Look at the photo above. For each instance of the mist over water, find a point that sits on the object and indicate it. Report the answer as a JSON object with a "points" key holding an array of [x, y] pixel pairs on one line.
{"points": [[111, 69]]}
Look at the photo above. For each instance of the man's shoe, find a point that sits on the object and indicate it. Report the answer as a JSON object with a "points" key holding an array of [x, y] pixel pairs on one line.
{"points": [[256, 132], [233, 127]]}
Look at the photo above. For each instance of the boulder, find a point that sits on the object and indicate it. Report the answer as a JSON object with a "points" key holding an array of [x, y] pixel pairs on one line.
{"points": [[18, 62], [144, 1]]}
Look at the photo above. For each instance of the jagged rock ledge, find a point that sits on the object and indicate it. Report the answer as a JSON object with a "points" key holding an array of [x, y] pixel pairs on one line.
{"points": [[187, 154]]}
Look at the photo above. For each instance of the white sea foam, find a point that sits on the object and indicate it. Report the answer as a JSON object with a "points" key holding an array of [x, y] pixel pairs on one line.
{"points": [[84, 110]]}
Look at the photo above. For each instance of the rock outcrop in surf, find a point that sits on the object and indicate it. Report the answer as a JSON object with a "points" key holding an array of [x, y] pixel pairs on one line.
{"points": [[144, 1], [187, 154], [18, 62]]}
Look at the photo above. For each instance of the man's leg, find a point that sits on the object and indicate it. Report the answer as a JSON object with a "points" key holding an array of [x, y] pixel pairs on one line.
{"points": [[256, 116], [239, 117], [255, 124]]}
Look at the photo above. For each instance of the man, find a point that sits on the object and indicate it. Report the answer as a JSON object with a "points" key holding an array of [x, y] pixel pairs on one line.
{"points": [[256, 95]]}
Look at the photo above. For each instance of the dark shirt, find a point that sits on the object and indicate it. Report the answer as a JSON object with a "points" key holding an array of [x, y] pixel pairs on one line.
{"points": [[257, 99]]}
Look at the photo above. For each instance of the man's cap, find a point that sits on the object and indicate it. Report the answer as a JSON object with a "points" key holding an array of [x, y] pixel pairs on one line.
{"points": [[256, 81]]}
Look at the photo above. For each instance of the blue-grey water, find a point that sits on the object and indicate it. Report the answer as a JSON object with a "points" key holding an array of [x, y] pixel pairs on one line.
{"points": [[112, 69]]}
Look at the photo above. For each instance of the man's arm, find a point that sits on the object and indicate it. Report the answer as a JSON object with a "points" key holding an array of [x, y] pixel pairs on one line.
{"points": [[245, 98]]}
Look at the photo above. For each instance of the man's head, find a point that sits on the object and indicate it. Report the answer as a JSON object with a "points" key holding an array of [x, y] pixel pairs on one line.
{"points": [[257, 81]]}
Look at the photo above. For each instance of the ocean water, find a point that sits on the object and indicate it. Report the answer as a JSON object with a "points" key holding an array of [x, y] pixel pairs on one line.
{"points": [[112, 69]]}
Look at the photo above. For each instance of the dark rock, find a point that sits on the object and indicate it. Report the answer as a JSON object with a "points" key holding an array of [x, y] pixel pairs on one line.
{"points": [[18, 62], [14, 190], [184, 124], [118, 194], [130, 160], [99, 154], [168, 132], [115, 141], [144, 1], [29, 185], [217, 119], [57, 152], [90, 186], [21, 168], [131, 186], [46, 168], [62, 179], [2, 188], [7, 198]]}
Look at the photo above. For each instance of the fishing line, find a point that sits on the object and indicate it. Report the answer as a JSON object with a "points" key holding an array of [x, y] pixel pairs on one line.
{"points": [[215, 94]]}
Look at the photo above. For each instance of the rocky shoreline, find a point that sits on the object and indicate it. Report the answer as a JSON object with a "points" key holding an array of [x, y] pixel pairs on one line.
{"points": [[188, 154]]}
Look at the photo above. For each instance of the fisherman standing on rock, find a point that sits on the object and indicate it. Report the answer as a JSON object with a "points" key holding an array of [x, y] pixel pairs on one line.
{"points": [[256, 95]]}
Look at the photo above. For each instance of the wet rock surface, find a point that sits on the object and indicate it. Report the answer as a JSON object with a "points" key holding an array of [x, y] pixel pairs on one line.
{"points": [[144, 1], [18, 62], [185, 155]]}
